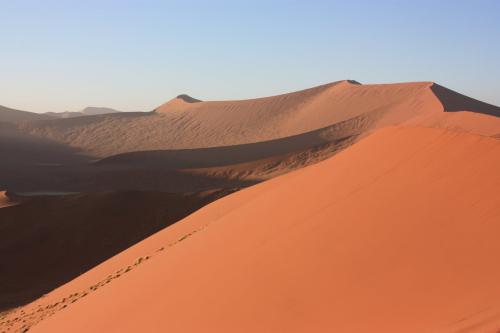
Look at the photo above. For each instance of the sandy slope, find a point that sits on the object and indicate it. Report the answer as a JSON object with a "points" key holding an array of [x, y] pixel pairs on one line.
{"points": [[398, 233], [11, 115], [190, 145], [186, 123], [235, 154], [48, 240], [18, 149]]}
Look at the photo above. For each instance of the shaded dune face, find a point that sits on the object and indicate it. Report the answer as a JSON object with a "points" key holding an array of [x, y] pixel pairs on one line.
{"points": [[186, 123], [188, 99], [45, 241], [235, 154], [18, 148], [453, 102], [401, 236]]}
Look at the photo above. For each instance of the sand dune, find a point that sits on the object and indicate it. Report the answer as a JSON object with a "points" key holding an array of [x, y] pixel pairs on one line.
{"points": [[186, 123], [190, 145], [177, 170], [309, 251], [398, 233], [236, 154], [168, 170], [453, 102], [5, 200], [155, 175], [20, 149], [48, 240], [11, 115]]}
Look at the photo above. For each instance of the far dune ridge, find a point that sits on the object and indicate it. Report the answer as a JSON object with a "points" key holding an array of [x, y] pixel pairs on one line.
{"points": [[12, 115], [188, 123], [193, 145], [397, 233]]}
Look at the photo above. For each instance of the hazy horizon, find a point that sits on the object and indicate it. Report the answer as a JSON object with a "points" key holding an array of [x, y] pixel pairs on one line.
{"points": [[135, 55]]}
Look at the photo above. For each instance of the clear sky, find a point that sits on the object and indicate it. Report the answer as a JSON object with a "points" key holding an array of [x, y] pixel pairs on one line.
{"points": [[133, 55]]}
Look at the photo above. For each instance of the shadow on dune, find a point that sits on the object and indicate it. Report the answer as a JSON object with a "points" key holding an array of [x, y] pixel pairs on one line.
{"points": [[236, 154], [213, 157], [47, 241], [453, 102], [172, 170], [188, 99], [92, 179], [19, 148]]}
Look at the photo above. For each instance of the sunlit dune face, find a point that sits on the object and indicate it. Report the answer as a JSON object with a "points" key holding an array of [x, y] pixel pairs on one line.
{"points": [[404, 213]]}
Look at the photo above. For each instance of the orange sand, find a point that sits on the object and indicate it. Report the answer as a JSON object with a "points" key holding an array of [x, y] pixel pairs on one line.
{"points": [[398, 233]]}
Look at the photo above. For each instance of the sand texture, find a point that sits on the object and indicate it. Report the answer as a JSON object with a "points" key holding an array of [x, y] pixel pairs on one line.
{"points": [[397, 233]]}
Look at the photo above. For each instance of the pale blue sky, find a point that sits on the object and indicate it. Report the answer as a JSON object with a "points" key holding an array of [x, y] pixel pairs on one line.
{"points": [[133, 55]]}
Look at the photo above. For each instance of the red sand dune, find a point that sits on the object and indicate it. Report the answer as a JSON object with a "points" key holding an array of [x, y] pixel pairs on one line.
{"points": [[398, 233], [190, 145], [5, 201], [186, 123], [199, 145]]}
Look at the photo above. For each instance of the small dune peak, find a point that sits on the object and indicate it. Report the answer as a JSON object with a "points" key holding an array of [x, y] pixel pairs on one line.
{"points": [[188, 99], [179, 103], [346, 83]]}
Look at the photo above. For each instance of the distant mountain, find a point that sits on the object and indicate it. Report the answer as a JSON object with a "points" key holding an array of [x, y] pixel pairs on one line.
{"points": [[88, 111], [93, 110], [12, 115]]}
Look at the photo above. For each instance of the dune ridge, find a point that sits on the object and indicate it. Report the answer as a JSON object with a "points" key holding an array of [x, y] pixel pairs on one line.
{"points": [[453, 102], [12, 115], [204, 124], [420, 256]]}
